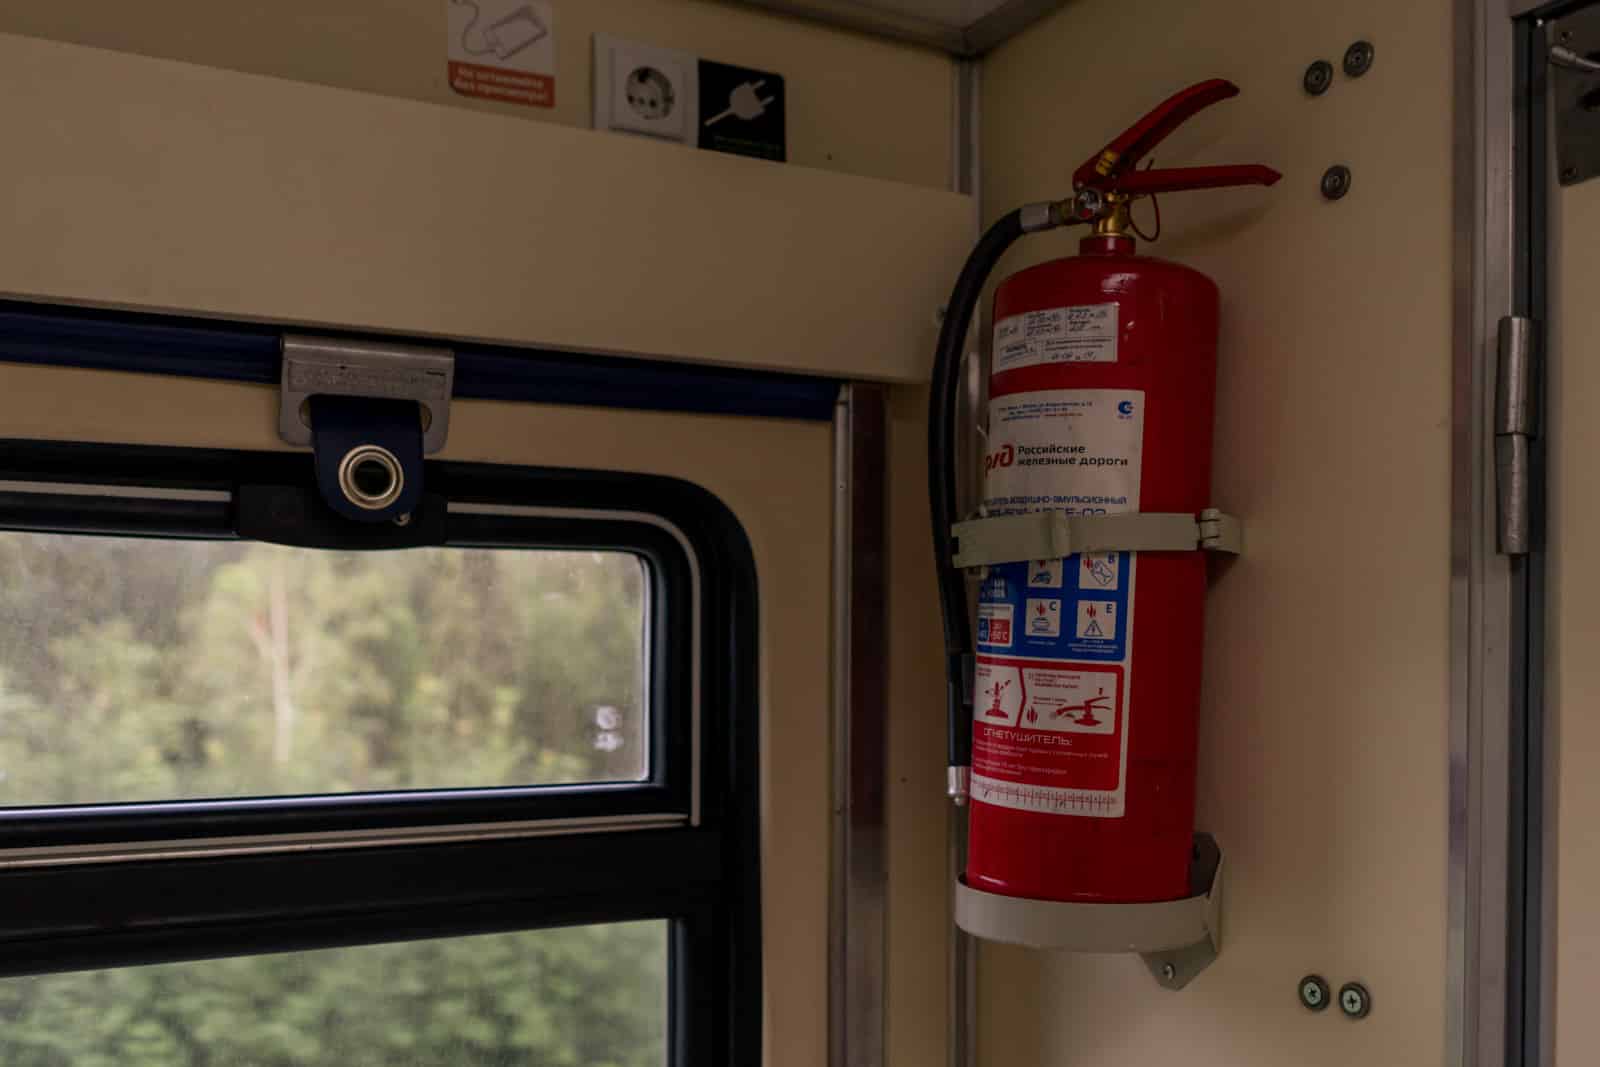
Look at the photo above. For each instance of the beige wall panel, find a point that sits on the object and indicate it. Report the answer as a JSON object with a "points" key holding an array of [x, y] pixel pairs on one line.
{"points": [[166, 186], [1325, 706], [741, 460], [918, 814], [1573, 572], [856, 105]]}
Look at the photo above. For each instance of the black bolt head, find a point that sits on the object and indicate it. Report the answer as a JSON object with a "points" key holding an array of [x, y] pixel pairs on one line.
{"points": [[1358, 58], [1318, 77], [1336, 181]]}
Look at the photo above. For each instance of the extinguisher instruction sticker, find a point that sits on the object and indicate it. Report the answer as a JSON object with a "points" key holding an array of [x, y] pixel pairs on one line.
{"points": [[1052, 680], [1086, 333]]}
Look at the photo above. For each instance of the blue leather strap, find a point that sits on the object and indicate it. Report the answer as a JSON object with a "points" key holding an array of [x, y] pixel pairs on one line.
{"points": [[343, 428]]}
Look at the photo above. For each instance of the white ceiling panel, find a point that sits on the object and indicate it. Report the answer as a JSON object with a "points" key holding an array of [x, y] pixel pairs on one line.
{"points": [[957, 13], [962, 27]]}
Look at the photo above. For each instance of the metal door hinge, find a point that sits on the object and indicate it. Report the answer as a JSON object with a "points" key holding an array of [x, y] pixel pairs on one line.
{"points": [[1516, 426]]}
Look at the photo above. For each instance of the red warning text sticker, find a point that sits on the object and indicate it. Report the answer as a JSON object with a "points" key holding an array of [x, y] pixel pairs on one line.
{"points": [[503, 50], [534, 90], [1048, 736]]}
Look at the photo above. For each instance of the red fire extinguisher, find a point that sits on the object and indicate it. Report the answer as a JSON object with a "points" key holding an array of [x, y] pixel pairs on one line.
{"points": [[1084, 678]]}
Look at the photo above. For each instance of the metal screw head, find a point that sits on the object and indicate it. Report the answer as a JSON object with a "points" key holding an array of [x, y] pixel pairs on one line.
{"points": [[1358, 58], [1314, 992], [1336, 181], [1318, 77], [1168, 972], [1354, 1000]]}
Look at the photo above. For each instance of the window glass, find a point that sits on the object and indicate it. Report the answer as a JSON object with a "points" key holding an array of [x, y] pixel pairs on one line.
{"points": [[592, 996], [146, 669]]}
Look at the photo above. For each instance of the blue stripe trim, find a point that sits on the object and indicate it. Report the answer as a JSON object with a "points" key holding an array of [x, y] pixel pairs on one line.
{"points": [[155, 344]]}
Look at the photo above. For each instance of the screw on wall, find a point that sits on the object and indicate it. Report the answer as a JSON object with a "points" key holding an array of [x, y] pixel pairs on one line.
{"points": [[1318, 77], [1314, 992], [1358, 58], [1336, 181], [1354, 1000]]}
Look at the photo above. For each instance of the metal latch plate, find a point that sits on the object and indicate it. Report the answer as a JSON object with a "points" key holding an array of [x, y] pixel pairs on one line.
{"points": [[320, 366], [1575, 94]]}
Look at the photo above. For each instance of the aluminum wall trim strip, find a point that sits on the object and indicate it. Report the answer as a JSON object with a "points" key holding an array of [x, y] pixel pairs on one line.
{"points": [[860, 869], [1483, 585]]}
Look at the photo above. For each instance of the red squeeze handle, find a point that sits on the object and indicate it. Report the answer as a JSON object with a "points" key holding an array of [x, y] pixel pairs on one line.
{"points": [[1175, 179], [1112, 169]]}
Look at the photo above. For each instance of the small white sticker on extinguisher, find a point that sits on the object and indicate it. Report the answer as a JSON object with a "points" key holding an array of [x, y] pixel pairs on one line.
{"points": [[1086, 333]]}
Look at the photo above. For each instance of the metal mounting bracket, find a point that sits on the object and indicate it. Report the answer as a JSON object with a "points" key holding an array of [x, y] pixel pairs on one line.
{"points": [[1575, 88], [1177, 939], [320, 366], [1052, 535]]}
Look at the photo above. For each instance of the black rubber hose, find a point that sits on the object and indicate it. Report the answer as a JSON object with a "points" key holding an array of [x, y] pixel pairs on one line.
{"points": [[942, 400]]}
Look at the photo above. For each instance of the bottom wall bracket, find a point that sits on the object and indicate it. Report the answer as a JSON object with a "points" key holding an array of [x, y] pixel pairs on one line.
{"points": [[1176, 938]]}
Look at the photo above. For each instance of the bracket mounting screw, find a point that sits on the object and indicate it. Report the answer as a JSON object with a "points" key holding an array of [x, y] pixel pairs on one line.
{"points": [[1318, 77], [1354, 1000], [1358, 58], [1336, 181], [1314, 992]]}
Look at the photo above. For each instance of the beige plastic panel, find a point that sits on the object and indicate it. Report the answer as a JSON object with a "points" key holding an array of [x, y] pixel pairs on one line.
{"points": [[167, 186], [856, 105], [1323, 736], [1572, 575]]}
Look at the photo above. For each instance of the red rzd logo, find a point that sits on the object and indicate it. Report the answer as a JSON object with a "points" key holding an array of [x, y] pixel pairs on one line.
{"points": [[1001, 458]]}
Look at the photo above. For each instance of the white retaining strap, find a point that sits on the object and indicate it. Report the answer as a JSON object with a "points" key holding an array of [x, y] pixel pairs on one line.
{"points": [[1052, 535]]}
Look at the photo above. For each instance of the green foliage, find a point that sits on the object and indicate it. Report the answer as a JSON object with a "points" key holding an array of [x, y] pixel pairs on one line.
{"points": [[581, 997], [153, 670]]}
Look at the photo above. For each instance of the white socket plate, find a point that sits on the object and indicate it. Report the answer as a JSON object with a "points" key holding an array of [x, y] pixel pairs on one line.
{"points": [[639, 88]]}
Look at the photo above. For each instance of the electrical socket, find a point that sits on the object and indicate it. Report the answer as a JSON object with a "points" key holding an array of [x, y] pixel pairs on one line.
{"points": [[639, 88]]}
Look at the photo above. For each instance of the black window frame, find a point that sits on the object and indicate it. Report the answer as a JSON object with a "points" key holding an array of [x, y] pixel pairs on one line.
{"points": [[128, 884]]}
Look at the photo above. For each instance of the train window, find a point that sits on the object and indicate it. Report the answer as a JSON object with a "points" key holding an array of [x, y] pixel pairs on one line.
{"points": [[138, 669], [588, 995], [478, 788]]}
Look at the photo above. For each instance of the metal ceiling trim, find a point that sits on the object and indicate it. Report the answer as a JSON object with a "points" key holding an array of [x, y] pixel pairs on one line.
{"points": [[966, 42], [1006, 22], [848, 15]]}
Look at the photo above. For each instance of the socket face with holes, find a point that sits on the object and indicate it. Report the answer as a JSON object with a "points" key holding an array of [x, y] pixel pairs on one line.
{"points": [[642, 89]]}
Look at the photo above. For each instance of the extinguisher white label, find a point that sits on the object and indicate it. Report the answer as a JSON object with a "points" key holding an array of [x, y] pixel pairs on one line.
{"points": [[1055, 637], [1085, 333], [1071, 450]]}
